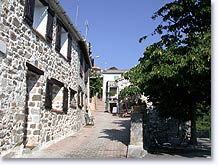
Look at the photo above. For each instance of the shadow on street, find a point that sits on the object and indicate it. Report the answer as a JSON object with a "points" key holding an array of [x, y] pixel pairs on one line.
{"points": [[202, 150], [122, 134]]}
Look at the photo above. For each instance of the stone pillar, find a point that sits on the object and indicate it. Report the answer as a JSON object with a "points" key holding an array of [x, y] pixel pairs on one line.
{"points": [[135, 148]]}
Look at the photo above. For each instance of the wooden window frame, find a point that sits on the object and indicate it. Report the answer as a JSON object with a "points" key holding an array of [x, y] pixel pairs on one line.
{"points": [[49, 27], [72, 96], [86, 74], [29, 18], [34, 69], [80, 97], [65, 100], [29, 11], [69, 48], [58, 35], [59, 27], [48, 97]]}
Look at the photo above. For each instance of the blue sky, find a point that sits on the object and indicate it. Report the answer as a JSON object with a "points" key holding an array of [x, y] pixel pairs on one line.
{"points": [[115, 27]]}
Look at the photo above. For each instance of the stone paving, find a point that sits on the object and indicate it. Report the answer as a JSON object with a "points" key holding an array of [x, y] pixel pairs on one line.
{"points": [[108, 138]]}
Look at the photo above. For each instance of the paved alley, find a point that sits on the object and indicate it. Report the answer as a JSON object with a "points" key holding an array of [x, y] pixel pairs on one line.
{"points": [[108, 138]]}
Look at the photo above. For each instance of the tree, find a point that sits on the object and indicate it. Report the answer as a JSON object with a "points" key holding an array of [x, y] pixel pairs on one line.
{"points": [[128, 92], [175, 72], [96, 84]]}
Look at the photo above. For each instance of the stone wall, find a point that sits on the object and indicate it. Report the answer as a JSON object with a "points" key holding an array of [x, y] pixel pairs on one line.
{"points": [[25, 120], [163, 130]]}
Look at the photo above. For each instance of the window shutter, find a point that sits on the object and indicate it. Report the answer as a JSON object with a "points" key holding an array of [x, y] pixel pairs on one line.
{"points": [[69, 48], [29, 11], [86, 73], [49, 28], [65, 100], [58, 36], [48, 96]]}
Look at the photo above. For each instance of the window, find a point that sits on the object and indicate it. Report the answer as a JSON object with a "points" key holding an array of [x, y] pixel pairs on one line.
{"points": [[86, 73], [113, 91], [72, 99], [29, 11], [65, 100], [39, 16], [80, 97], [81, 65], [116, 77], [48, 97], [63, 41], [56, 98]]}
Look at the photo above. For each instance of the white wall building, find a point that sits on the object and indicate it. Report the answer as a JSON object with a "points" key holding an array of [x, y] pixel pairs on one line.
{"points": [[111, 87], [110, 75]]}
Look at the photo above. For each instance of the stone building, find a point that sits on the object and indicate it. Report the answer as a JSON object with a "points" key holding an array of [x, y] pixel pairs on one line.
{"points": [[44, 75]]}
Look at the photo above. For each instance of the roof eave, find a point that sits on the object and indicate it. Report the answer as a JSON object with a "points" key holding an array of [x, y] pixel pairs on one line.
{"points": [[56, 6]]}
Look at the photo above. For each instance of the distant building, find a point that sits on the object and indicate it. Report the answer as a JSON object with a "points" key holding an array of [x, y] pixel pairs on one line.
{"points": [[44, 75], [112, 87]]}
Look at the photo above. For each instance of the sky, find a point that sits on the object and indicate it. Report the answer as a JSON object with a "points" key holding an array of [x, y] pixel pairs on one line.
{"points": [[114, 28]]}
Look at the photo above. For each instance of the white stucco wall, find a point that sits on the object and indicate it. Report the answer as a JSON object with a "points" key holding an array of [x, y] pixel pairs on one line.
{"points": [[108, 77]]}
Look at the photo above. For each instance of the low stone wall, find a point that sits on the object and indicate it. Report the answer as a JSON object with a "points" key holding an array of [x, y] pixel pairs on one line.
{"points": [[162, 130], [149, 130]]}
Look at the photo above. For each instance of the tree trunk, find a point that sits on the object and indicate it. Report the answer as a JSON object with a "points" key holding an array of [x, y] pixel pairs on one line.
{"points": [[193, 139]]}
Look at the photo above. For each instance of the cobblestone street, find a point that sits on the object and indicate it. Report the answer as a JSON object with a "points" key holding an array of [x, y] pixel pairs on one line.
{"points": [[108, 138]]}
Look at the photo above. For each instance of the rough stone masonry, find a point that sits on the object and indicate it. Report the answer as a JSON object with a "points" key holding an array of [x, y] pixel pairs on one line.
{"points": [[37, 82]]}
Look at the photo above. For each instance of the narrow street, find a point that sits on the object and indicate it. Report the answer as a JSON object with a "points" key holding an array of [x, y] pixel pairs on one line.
{"points": [[108, 138]]}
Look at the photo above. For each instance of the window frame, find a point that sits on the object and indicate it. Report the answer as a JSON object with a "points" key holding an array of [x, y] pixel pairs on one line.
{"points": [[48, 96], [72, 98], [59, 27], [65, 100], [80, 97], [29, 18]]}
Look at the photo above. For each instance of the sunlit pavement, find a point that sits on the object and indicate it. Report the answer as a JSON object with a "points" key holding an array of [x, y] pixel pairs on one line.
{"points": [[108, 138]]}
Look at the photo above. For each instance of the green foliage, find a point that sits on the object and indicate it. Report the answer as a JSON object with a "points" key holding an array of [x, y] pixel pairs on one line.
{"points": [[177, 78], [176, 71], [96, 84], [203, 120], [128, 92]]}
